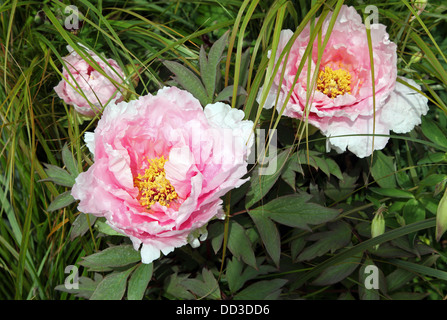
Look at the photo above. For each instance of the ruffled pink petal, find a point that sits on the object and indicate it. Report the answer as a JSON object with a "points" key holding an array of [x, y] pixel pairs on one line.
{"points": [[171, 124]]}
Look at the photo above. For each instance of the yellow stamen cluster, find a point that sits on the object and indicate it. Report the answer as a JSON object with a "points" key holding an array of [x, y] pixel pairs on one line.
{"points": [[334, 82], [154, 186]]}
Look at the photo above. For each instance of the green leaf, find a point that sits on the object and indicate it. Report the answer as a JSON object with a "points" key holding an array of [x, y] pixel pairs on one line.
{"points": [[342, 188], [418, 248], [203, 61], [306, 157], [81, 225], [69, 162], [365, 245], [432, 180], [188, 80], [138, 281], [227, 92], [173, 287], [383, 170], [289, 176], [269, 234], [420, 269], [394, 193], [337, 237], [322, 165], [413, 211], [112, 287], [61, 201], [239, 244], [338, 272], [433, 158], [86, 287], [237, 276], [388, 251], [216, 235], [295, 211], [399, 277], [111, 257], [207, 287], [431, 130], [233, 274], [334, 169], [58, 176], [209, 68], [261, 184], [297, 245], [103, 227], [262, 290]]}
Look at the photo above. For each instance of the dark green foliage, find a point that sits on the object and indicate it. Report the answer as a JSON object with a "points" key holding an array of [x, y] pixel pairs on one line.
{"points": [[301, 231]]}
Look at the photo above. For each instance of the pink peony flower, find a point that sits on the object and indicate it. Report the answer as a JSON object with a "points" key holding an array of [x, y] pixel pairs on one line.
{"points": [[161, 164], [97, 88], [342, 102]]}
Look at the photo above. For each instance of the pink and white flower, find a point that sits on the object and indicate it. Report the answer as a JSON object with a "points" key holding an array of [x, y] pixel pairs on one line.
{"points": [[81, 78], [342, 102], [161, 165]]}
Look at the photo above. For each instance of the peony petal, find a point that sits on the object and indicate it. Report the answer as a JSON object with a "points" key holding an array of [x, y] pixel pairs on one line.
{"points": [[179, 170], [353, 112], [129, 134], [404, 108], [89, 139], [359, 139], [149, 253], [96, 89], [221, 115]]}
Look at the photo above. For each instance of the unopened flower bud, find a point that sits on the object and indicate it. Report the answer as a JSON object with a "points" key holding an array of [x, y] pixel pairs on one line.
{"points": [[441, 217], [418, 5], [378, 224], [416, 58]]}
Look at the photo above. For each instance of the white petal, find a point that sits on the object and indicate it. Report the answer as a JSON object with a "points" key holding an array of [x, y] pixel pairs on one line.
{"points": [[89, 138], [221, 115], [204, 236], [360, 140], [149, 253], [167, 250], [196, 235], [195, 243], [271, 97], [404, 107]]}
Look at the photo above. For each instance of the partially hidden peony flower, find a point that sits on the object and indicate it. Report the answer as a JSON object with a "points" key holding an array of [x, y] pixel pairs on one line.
{"points": [[418, 5], [80, 75], [342, 102], [161, 165]]}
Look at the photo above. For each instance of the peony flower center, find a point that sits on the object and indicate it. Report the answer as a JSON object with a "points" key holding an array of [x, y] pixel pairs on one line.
{"points": [[334, 82], [154, 186]]}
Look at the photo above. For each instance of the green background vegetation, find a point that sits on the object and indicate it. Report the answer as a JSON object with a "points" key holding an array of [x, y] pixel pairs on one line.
{"points": [[303, 232]]}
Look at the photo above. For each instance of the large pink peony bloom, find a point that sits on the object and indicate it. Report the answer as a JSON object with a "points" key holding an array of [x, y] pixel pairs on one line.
{"points": [[96, 87], [342, 102], [161, 164]]}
